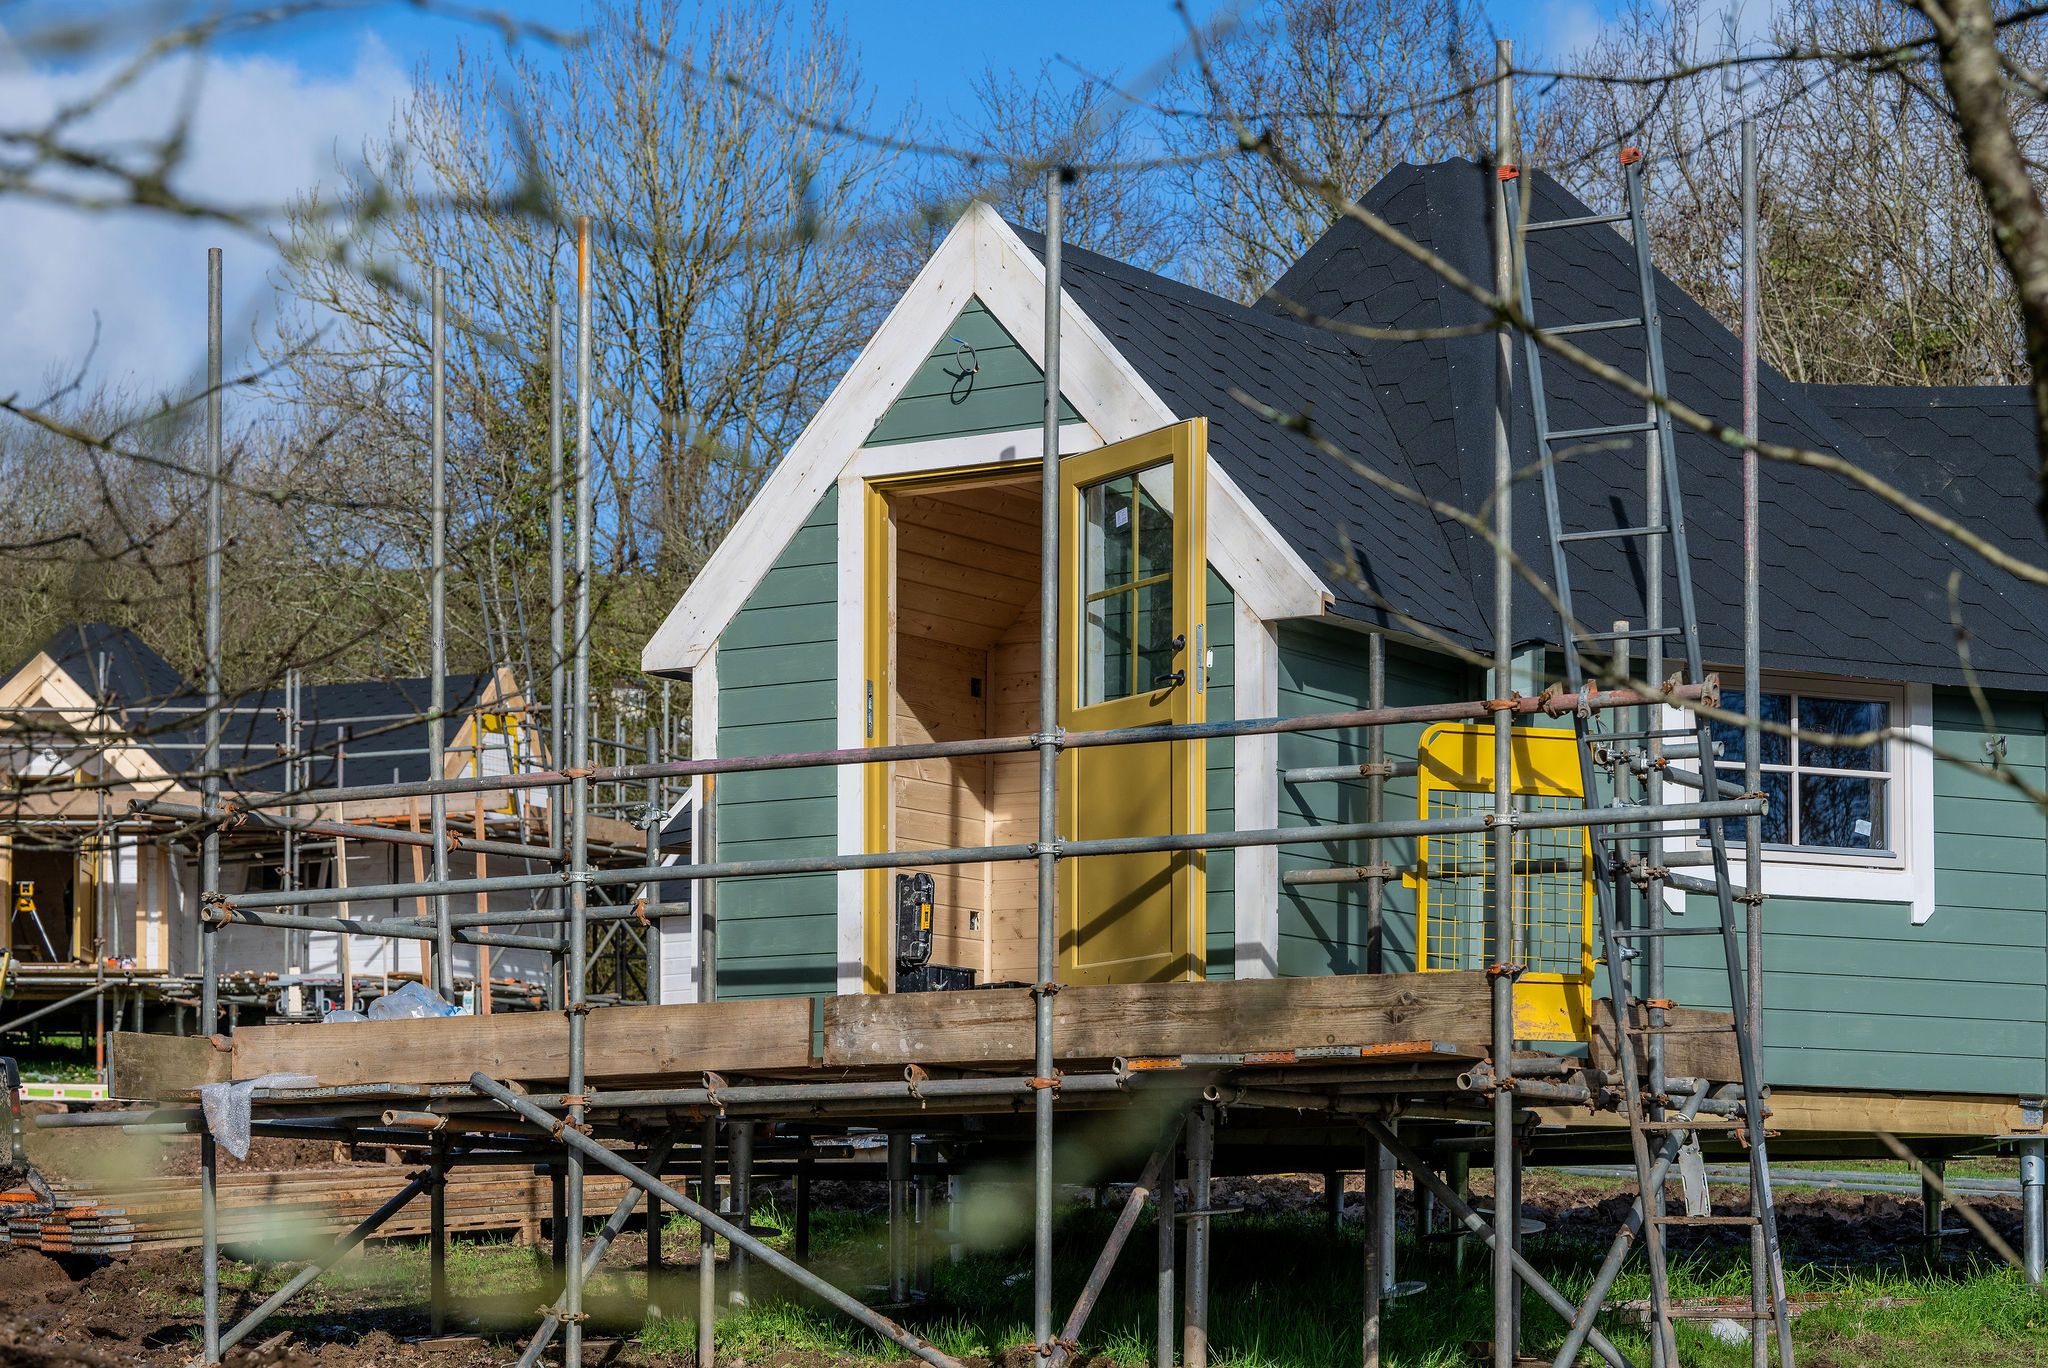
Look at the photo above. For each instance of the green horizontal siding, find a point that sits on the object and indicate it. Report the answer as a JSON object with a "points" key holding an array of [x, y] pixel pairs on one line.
{"points": [[958, 392], [1324, 669], [1856, 996], [777, 662], [1221, 780]]}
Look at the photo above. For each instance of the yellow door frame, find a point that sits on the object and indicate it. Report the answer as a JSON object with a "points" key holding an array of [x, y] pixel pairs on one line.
{"points": [[878, 655]]}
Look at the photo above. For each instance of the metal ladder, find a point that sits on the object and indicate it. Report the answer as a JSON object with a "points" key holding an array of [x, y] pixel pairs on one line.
{"points": [[1637, 854]]}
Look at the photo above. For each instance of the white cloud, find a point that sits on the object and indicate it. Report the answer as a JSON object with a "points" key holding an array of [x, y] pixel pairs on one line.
{"points": [[265, 130], [1561, 29]]}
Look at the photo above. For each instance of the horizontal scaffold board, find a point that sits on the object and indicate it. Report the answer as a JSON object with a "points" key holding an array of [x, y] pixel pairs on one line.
{"points": [[981, 1027], [1108, 1021], [620, 1043]]}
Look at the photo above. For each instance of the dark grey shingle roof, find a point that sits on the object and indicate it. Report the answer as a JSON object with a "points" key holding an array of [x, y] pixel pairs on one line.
{"points": [[1852, 585]]}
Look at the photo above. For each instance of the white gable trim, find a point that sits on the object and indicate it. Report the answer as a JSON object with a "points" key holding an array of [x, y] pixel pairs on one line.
{"points": [[981, 258]]}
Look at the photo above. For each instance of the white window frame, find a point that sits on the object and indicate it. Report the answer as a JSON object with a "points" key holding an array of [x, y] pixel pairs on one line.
{"points": [[1902, 874]]}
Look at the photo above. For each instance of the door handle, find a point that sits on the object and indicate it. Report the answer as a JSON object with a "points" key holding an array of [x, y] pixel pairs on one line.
{"points": [[1178, 677]]}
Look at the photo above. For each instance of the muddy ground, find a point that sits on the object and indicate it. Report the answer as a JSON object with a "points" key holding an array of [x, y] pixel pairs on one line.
{"points": [[126, 1313]]}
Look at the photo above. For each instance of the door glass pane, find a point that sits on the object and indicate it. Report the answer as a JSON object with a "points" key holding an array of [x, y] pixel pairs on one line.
{"points": [[1110, 534], [1155, 522], [1106, 667], [1126, 584], [1155, 635]]}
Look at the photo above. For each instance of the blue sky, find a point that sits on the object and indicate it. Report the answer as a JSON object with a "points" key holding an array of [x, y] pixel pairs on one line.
{"points": [[282, 107], [926, 50]]}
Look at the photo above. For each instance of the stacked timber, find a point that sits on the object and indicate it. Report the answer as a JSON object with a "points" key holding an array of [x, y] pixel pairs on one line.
{"points": [[285, 1213]]}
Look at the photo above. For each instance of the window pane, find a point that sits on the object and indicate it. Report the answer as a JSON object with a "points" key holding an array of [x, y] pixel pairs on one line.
{"points": [[1777, 822], [1155, 634], [1841, 812], [1842, 717], [1106, 650], [1771, 707]]}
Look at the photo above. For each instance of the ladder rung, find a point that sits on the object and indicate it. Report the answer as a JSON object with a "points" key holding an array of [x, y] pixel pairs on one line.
{"points": [[1582, 221], [1697, 1123], [1703, 1220], [1646, 735], [1683, 1030], [1612, 430], [1605, 325], [1718, 1313], [1668, 931], [1614, 534], [1638, 634]]}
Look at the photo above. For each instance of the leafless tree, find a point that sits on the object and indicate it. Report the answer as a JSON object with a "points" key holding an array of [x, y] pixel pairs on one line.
{"points": [[1878, 260], [1345, 89], [733, 279], [1018, 128]]}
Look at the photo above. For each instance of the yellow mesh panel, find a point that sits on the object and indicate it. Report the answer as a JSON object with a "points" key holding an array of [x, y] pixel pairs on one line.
{"points": [[1553, 893]]}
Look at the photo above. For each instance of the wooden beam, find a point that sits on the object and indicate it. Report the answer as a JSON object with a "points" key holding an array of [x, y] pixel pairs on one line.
{"points": [[143, 1067], [1109, 1020], [622, 1043], [1705, 1048]]}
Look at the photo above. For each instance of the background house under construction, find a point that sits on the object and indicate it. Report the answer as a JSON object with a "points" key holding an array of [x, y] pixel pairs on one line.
{"points": [[101, 739]]}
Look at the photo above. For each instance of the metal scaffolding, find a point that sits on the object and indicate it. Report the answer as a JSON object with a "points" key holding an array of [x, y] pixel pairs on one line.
{"points": [[485, 1121]]}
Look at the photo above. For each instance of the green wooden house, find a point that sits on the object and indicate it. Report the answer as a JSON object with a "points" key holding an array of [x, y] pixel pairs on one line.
{"points": [[883, 586]]}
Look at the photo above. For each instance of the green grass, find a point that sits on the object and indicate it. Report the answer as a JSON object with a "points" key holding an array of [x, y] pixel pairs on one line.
{"points": [[1285, 1295], [55, 1059]]}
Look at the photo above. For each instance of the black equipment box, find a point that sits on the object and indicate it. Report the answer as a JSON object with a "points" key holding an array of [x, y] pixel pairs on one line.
{"points": [[914, 895], [933, 978]]}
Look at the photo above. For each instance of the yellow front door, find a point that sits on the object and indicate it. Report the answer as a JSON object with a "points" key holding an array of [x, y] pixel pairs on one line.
{"points": [[1133, 653]]}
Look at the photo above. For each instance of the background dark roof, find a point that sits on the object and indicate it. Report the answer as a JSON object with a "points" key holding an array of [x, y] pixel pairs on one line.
{"points": [[386, 731], [97, 653], [1851, 584]]}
